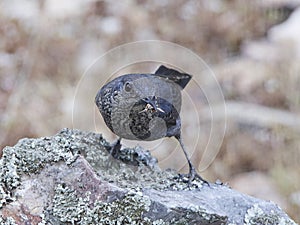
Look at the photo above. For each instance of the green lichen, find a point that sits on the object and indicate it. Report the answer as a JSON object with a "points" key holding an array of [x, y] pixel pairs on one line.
{"points": [[30, 156], [147, 174], [7, 221], [256, 216], [8, 173], [69, 208]]}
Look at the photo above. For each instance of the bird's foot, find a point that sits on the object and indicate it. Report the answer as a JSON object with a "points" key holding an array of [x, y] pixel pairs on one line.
{"points": [[194, 175], [115, 148]]}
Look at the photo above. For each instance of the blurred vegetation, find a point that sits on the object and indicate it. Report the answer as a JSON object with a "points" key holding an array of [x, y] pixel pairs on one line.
{"points": [[45, 47]]}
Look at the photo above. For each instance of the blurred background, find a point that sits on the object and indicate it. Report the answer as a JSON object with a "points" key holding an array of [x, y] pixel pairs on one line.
{"points": [[253, 47]]}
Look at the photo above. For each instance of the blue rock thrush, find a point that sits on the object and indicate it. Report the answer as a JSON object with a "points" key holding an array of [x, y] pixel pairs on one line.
{"points": [[145, 107]]}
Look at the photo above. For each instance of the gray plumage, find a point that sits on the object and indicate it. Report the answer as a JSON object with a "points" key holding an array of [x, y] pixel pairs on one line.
{"points": [[145, 106]]}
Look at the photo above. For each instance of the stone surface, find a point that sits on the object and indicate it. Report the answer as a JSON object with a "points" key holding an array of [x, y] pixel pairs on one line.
{"points": [[71, 179]]}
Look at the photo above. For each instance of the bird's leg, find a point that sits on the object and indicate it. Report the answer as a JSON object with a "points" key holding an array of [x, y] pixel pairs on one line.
{"points": [[192, 171], [115, 148], [113, 151]]}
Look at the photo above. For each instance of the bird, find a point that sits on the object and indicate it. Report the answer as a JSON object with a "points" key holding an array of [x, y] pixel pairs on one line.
{"points": [[145, 106]]}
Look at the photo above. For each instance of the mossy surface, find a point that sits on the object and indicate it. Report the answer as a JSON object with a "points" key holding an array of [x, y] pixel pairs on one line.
{"points": [[134, 190], [256, 216], [130, 209], [7, 221], [127, 210], [29, 156]]}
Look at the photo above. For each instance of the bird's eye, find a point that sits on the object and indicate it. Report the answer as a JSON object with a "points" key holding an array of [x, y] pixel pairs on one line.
{"points": [[128, 86]]}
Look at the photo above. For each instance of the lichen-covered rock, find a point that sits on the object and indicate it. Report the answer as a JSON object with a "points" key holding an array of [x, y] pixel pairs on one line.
{"points": [[70, 178]]}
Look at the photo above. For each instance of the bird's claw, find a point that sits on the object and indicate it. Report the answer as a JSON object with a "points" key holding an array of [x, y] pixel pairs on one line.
{"points": [[115, 148], [194, 175]]}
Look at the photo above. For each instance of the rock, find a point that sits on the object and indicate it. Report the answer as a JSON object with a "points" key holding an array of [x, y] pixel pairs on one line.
{"points": [[70, 178]]}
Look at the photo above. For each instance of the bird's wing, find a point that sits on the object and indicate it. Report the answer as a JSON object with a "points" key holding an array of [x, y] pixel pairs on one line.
{"points": [[167, 111], [181, 79]]}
